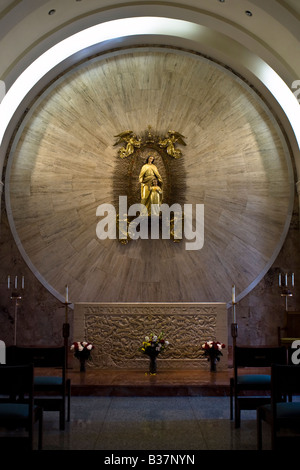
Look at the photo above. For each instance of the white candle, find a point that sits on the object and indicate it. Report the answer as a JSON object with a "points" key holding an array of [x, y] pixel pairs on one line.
{"points": [[16, 282], [233, 294], [279, 279], [8, 282], [23, 282], [293, 279], [286, 280], [67, 294]]}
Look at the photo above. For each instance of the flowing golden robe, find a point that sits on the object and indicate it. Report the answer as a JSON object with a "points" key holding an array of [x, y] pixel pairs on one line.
{"points": [[148, 173]]}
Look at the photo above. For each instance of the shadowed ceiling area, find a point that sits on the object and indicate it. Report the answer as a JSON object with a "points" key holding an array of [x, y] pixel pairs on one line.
{"points": [[64, 165]]}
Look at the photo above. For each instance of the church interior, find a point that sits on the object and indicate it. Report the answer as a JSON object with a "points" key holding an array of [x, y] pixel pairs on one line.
{"points": [[89, 91]]}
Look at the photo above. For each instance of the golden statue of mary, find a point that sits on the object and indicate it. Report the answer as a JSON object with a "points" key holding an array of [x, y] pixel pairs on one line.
{"points": [[151, 182]]}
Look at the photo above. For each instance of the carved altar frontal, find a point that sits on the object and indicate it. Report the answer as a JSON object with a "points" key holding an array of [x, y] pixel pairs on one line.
{"points": [[117, 331]]}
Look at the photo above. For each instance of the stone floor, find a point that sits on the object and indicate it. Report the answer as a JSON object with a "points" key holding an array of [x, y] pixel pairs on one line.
{"points": [[122, 410], [149, 424], [131, 413]]}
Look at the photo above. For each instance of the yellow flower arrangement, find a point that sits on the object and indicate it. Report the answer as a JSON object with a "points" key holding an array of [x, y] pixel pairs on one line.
{"points": [[154, 344]]}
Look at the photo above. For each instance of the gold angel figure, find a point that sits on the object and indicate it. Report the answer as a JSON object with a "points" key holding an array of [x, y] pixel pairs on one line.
{"points": [[131, 140], [169, 143]]}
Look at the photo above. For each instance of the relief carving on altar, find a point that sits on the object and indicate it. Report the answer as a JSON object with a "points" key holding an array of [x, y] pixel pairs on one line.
{"points": [[117, 330]]}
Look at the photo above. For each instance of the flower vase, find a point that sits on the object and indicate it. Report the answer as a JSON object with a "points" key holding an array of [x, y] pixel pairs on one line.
{"points": [[213, 364], [82, 364], [152, 365]]}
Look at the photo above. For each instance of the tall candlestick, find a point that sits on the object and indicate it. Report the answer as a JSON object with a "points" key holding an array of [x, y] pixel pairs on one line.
{"points": [[234, 312], [233, 304], [233, 294]]}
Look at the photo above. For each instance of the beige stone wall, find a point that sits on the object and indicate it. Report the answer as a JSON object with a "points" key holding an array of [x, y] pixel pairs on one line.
{"points": [[41, 315]]}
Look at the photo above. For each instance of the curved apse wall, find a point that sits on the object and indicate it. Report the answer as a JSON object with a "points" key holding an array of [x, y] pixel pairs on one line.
{"points": [[64, 164]]}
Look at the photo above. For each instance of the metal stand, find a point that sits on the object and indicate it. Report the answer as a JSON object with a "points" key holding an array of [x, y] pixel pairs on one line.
{"points": [[234, 333], [286, 295], [284, 283], [234, 328], [66, 330], [17, 298]]}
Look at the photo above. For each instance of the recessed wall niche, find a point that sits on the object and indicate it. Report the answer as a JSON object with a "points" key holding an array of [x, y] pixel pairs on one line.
{"points": [[63, 165]]}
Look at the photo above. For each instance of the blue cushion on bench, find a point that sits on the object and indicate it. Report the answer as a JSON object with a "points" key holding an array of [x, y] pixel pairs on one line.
{"points": [[14, 411], [253, 379], [286, 410], [45, 380]]}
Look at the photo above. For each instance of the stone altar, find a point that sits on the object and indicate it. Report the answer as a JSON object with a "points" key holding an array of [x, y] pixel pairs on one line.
{"points": [[117, 331]]}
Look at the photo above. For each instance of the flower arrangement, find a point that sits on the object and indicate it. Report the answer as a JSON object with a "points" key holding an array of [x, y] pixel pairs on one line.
{"points": [[153, 344], [213, 348], [82, 351], [213, 351]]}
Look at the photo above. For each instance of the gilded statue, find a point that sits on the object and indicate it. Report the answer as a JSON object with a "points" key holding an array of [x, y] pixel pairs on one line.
{"points": [[155, 198], [151, 184], [131, 143], [169, 143]]}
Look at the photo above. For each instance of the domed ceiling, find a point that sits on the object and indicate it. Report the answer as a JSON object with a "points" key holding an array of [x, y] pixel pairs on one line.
{"points": [[64, 163]]}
